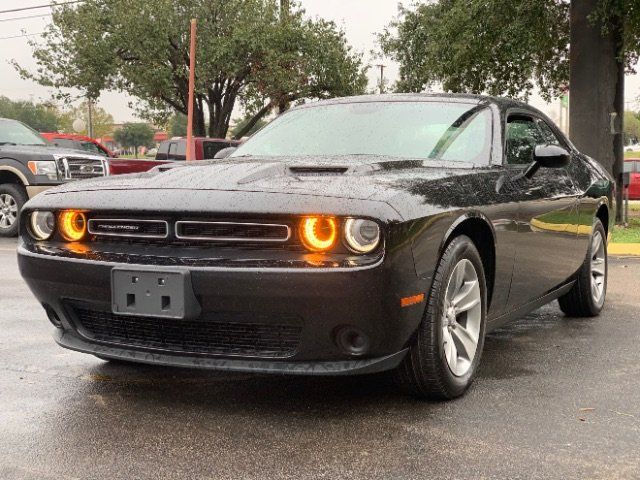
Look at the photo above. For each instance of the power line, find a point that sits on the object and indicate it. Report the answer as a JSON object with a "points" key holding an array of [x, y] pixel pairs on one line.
{"points": [[22, 35], [24, 18], [48, 5]]}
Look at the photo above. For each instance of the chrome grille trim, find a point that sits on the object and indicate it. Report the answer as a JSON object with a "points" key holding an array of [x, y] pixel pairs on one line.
{"points": [[91, 230], [232, 239]]}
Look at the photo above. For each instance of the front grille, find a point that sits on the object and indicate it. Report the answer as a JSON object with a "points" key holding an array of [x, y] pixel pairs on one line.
{"points": [[205, 336], [232, 231], [128, 228], [81, 168]]}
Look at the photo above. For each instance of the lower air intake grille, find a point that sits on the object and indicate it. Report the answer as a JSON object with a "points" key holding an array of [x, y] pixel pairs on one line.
{"points": [[200, 336]]}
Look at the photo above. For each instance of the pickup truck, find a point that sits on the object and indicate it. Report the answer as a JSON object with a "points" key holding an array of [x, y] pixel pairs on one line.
{"points": [[205, 148], [29, 165], [78, 142]]}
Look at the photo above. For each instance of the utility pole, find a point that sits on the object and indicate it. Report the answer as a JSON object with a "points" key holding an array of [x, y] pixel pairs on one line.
{"points": [[597, 90], [192, 80], [381, 85]]}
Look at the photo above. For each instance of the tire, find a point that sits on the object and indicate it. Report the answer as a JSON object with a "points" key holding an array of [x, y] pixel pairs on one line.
{"points": [[426, 371], [586, 297], [12, 199]]}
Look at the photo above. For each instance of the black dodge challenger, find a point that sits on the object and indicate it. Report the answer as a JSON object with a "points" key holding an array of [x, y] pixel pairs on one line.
{"points": [[348, 236]]}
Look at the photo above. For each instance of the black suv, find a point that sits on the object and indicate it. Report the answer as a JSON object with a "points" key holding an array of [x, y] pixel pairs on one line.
{"points": [[29, 164]]}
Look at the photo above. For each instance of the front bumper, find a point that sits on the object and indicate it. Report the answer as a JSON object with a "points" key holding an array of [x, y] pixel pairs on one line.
{"points": [[320, 301]]}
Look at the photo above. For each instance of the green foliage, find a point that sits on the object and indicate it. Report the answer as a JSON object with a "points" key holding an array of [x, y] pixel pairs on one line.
{"points": [[244, 51], [42, 117], [631, 127], [134, 135], [481, 46], [178, 125], [101, 120]]}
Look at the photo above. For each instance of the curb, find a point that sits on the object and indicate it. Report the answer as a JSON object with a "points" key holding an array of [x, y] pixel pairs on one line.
{"points": [[624, 249]]}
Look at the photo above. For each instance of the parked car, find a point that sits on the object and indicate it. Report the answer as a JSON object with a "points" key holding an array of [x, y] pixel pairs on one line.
{"points": [[204, 148], [633, 167], [78, 142], [348, 236], [29, 165]]}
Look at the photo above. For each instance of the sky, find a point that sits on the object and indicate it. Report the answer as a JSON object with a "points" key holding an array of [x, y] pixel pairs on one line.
{"points": [[360, 19]]}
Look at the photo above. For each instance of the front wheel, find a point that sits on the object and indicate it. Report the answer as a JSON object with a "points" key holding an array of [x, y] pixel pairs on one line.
{"points": [[12, 198], [442, 361], [586, 297]]}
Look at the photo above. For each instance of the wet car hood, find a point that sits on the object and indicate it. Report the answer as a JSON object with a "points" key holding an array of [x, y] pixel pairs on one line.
{"points": [[361, 177]]}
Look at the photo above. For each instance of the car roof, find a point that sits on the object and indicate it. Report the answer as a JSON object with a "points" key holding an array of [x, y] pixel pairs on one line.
{"points": [[501, 102]]}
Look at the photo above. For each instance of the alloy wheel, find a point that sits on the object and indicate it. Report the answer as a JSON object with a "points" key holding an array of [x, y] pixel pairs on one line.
{"points": [[8, 210], [462, 318], [598, 267]]}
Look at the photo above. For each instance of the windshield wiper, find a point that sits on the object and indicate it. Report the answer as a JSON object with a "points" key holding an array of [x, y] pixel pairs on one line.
{"points": [[7, 143]]}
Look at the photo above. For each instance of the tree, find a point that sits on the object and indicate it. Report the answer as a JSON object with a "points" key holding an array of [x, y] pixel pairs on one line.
{"points": [[631, 127], [42, 117], [134, 135], [244, 53], [101, 120], [482, 46], [178, 125]]}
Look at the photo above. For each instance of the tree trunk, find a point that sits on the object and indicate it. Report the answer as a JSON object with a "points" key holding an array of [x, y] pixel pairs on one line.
{"points": [[597, 91], [135, 151]]}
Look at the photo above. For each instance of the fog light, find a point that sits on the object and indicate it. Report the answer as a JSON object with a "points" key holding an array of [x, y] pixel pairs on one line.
{"points": [[73, 225], [53, 316], [352, 341]]}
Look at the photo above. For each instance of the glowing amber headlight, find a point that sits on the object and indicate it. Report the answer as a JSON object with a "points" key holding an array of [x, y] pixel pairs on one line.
{"points": [[73, 225], [319, 234]]}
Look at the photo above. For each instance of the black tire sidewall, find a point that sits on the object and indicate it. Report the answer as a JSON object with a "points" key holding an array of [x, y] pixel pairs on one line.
{"points": [[460, 248], [20, 196]]}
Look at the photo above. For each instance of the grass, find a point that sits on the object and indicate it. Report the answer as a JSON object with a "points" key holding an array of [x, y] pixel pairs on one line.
{"points": [[630, 234], [632, 155]]}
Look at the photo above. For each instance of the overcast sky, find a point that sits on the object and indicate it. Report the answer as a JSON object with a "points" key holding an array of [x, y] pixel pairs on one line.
{"points": [[360, 19]]}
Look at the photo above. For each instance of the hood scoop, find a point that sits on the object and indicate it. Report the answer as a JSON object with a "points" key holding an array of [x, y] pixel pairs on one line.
{"points": [[318, 171]]}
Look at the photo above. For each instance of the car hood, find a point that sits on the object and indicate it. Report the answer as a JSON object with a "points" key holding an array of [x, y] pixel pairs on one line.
{"points": [[364, 178], [42, 152]]}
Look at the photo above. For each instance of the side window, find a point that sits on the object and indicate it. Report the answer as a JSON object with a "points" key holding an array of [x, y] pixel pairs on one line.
{"points": [[181, 151], [172, 151], [548, 134], [522, 137], [211, 148]]}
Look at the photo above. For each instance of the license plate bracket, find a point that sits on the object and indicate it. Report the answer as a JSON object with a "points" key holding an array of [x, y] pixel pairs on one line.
{"points": [[151, 293]]}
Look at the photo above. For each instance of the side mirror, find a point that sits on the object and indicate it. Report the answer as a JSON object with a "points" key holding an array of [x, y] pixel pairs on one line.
{"points": [[548, 156], [225, 152], [551, 156]]}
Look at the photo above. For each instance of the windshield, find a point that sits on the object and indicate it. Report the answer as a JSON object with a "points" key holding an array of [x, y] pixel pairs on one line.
{"points": [[13, 132], [78, 145], [418, 130]]}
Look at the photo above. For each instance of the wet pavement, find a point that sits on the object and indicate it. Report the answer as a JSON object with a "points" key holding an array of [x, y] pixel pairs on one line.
{"points": [[555, 398]]}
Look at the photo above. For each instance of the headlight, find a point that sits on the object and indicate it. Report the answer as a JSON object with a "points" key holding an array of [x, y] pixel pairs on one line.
{"points": [[42, 224], [319, 234], [73, 225], [48, 168], [361, 236]]}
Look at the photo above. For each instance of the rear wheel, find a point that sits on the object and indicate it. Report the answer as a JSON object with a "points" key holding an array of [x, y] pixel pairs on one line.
{"points": [[12, 198], [586, 297], [442, 361]]}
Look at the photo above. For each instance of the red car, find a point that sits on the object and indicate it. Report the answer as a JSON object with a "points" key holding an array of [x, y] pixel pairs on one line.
{"points": [[78, 142], [116, 166], [634, 184], [205, 148]]}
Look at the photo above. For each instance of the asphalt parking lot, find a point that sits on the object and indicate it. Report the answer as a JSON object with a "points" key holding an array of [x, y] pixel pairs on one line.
{"points": [[555, 398]]}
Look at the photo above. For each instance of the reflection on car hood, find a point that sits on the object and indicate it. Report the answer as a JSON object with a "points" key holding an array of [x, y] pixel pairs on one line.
{"points": [[361, 177]]}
